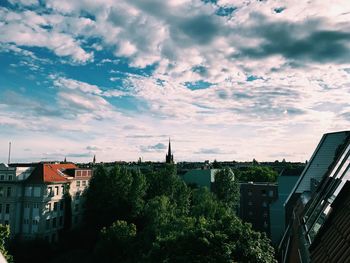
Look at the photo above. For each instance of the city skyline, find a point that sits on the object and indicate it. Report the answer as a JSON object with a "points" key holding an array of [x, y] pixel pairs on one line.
{"points": [[225, 80]]}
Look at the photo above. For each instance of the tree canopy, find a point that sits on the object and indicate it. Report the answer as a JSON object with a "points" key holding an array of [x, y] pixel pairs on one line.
{"points": [[257, 174], [157, 218]]}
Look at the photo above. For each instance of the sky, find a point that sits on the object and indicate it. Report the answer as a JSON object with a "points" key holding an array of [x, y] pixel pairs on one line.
{"points": [[225, 79]]}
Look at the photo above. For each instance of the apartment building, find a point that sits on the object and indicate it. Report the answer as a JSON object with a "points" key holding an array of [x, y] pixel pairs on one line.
{"points": [[255, 200], [34, 198], [317, 229]]}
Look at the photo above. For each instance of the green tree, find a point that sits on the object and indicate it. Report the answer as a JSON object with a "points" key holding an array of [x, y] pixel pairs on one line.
{"points": [[116, 243], [167, 183], [258, 174], [4, 235], [226, 188], [115, 194]]}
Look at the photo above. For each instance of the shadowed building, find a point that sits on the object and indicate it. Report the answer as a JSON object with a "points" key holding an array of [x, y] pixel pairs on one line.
{"points": [[255, 200], [318, 227]]}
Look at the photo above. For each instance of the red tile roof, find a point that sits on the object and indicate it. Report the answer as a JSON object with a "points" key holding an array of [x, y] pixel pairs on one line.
{"points": [[50, 173]]}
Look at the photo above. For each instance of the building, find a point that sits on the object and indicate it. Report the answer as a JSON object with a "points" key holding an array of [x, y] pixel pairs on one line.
{"points": [[285, 183], [33, 198], [200, 177], [313, 203], [169, 158], [255, 200]]}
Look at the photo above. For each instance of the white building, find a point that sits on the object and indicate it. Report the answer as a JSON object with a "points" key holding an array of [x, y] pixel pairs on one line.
{"points": [[32, 198]]}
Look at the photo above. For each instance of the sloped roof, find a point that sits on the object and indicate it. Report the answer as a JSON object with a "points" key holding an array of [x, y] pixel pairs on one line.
{"points": [[321, 160], [50, 173]]}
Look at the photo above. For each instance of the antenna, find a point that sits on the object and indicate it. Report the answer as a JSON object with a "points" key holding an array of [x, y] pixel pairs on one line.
{"points": [[9, 160]]}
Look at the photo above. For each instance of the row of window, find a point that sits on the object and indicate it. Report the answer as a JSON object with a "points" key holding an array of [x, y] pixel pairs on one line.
{"points": [[28, 205], [55, 190], [3, 177], [6, 208], [264, 204], [83, 173], [83, 183], [6, 193], [263, 193], [34, 221], [52, 223], [54, 206]]}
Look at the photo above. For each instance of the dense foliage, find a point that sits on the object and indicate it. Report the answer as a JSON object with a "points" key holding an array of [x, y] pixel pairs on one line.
{"points": [[157, 218], [4, 235], [257, 174]]}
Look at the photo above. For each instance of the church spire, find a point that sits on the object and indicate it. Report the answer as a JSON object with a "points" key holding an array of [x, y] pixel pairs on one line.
{"points": [[169, 158]]}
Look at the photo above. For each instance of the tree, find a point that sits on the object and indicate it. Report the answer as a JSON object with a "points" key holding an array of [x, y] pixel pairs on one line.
{"points": [[114, 195], [258, 174], [4, 235], [226, 188], [116, 243]]}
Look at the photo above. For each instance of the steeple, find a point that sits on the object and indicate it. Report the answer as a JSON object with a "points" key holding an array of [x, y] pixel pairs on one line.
{"points": [[94, 159], [169, 158]]}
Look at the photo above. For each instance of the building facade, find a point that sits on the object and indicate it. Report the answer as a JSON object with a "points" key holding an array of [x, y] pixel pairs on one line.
{"points": [[35, 198], [255, 200], [285, 183], [321, 183]]}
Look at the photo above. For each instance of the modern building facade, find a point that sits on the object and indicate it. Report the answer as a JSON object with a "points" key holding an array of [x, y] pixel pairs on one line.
{"points": [[255, 200], [285, 183], [35, 198], [320, 184]]}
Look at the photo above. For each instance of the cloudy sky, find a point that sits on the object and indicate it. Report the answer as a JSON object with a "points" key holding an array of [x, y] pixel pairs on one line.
{"points": [[225, 79]]}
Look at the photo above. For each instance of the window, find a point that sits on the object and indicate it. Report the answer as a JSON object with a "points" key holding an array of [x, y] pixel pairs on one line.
{"points": [[265, 214], [1, 191], [54, 221], [265, 224], [83, 183], [49, 191], [26, 205], [263, 192], [264, 204], [35, 222], [26, 221], [250, 203], [78, 183], [28, 191], [2, 177], [6, 222], [35, 205], [48, 207], [47, 223], [8, 191], [250, 192], [10, 177], [37, 191], [55, 206], [56, 190], [7, 209], [271, 193]]}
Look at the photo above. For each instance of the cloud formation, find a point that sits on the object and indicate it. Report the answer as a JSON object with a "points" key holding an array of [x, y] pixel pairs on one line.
{"points": [[223, 78]]}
